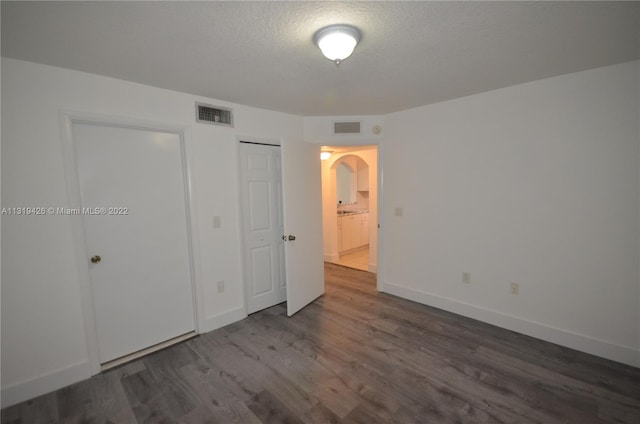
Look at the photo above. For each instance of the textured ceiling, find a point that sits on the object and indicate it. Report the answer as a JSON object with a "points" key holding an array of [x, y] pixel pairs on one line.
{"points": [[261, 53]]}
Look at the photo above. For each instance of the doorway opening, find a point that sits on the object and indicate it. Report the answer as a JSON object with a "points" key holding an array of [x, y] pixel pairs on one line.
{"points": [[350, 207]]}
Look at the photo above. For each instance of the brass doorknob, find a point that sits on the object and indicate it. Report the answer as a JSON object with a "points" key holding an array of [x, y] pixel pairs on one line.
{"points": [[96, 259]]}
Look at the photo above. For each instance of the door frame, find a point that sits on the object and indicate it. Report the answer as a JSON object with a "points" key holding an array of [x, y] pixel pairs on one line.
{"points": [[67, 119], [257, 140], [380, 202]]}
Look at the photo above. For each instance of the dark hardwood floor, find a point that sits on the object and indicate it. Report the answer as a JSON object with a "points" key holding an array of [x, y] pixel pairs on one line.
{"points": [[352, 356]]}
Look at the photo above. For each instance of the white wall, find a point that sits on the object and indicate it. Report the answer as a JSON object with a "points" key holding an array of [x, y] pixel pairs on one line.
{"points": [[535, 184], [43, 340]]}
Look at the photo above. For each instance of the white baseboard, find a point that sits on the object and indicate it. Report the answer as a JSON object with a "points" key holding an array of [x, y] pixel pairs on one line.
{"points": [[225, 318], [373, 267], [581, 342], [331, 257], [45, 383]]}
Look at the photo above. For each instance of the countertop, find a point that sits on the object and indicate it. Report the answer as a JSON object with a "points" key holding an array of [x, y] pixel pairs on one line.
{"points": [[352, 212]]}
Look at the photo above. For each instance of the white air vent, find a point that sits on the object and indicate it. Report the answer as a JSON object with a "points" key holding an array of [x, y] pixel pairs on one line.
{"points": [[215, 115], [346, 127]]}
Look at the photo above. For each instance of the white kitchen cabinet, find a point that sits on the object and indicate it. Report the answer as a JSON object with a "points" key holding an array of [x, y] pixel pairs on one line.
{"points": [[364, 228], [340, 249], [353, 231]]}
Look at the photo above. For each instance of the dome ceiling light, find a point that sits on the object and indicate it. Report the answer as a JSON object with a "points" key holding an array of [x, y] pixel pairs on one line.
{"points": [[337, 41]]}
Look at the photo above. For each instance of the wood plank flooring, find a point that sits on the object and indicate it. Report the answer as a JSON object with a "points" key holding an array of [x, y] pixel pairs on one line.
{"points": [[352, 356]]}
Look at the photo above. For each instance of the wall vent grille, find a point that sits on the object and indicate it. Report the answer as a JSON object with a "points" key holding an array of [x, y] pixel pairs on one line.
{"points": [[215, 115], [346, 127]]}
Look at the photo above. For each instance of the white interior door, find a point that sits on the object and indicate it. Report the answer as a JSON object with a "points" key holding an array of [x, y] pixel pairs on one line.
{"points": [[141, 287], [261, 190], [302, 196]]}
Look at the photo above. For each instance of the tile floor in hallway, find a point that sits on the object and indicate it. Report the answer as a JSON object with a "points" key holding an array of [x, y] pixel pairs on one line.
{"points": [[358, 259]]}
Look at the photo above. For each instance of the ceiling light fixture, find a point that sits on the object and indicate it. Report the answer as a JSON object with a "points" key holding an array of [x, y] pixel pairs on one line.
{"points": [[337, 41], [324, 155]]}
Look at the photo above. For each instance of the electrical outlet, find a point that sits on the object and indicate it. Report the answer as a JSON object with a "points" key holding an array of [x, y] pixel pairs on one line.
{"points": [[466, 278], [220, 286], [515, 288]]}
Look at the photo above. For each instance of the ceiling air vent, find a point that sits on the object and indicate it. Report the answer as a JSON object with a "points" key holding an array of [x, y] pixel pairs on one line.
{"points": [[346, 127], [215, 115]]}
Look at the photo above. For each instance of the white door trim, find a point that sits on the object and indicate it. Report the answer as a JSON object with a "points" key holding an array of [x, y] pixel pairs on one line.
{"points": [[67, 119], [380, 271], [379, 145]]}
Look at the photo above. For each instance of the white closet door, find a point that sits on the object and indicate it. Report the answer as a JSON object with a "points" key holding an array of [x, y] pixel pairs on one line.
{"points": [[261, 190]]}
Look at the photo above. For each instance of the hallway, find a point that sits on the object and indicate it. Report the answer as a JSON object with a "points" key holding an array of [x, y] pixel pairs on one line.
{"points": [[358, 259]]}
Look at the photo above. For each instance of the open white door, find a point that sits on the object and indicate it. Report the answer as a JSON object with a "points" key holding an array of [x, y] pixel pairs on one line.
{"points": [[302, 199]]}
